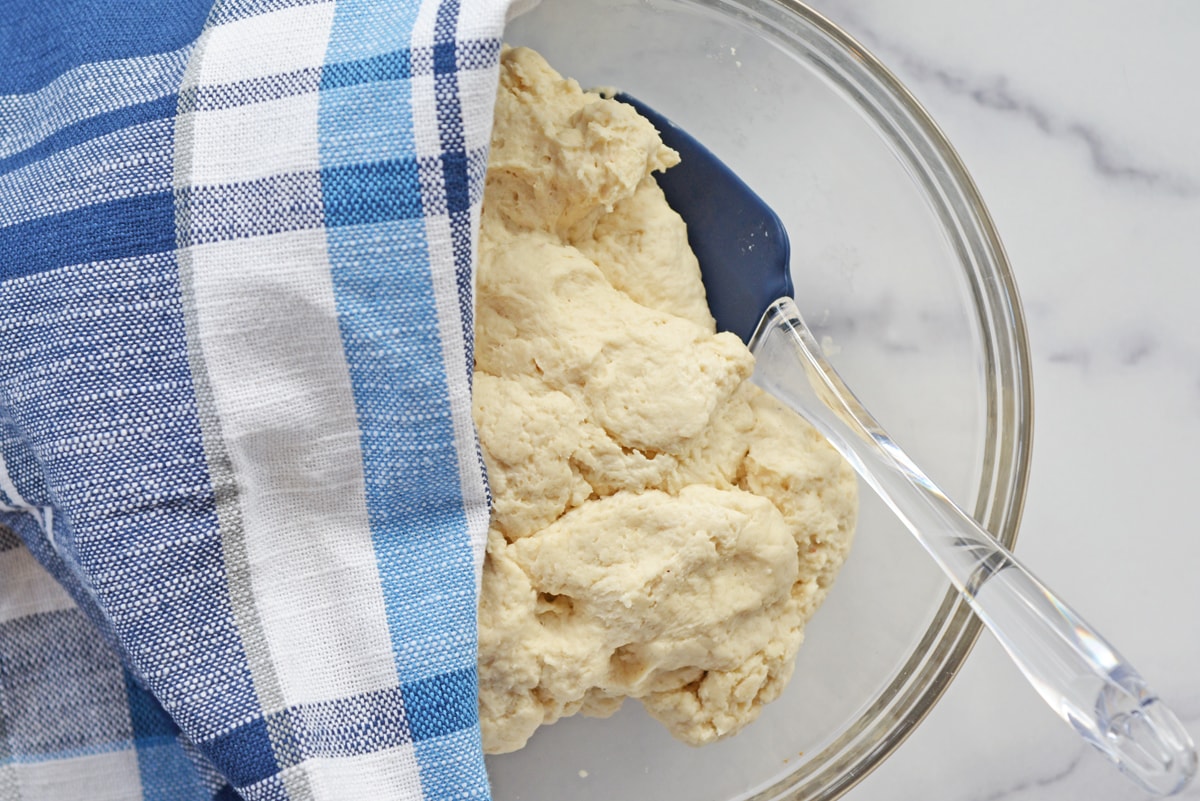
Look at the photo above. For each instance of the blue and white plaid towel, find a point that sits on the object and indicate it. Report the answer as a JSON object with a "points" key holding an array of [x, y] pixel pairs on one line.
{"points": [[236, 255]]}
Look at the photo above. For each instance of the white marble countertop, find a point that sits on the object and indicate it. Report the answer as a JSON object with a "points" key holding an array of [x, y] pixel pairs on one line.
{"points": [[1078, 120]]}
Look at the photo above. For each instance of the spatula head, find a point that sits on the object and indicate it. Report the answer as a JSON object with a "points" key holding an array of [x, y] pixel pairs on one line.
{"points": [[740, 242]]}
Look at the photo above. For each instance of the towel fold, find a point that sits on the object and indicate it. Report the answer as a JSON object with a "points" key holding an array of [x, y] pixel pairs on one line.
{"points": [[242, 506]]}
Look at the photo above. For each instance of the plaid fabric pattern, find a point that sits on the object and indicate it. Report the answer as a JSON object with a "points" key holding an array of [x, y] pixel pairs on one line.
{"points": [[242, 508]]}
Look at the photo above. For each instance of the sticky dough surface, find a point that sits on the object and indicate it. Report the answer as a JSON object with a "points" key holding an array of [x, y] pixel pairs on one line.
{"points": [[661, 529]]}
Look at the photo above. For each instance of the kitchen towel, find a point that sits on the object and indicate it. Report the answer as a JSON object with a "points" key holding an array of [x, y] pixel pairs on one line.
{"points": [[242, 506]]}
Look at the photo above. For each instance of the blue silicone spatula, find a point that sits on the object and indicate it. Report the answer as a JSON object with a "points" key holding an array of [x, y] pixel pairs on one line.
{"points": [[745, 263]]}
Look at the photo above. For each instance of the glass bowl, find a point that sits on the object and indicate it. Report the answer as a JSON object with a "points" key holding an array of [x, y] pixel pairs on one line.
{"points": [[898, 268]]}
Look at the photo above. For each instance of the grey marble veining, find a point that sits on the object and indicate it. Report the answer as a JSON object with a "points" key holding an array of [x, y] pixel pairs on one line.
{"points": [[993, 92], [1077, 123]]}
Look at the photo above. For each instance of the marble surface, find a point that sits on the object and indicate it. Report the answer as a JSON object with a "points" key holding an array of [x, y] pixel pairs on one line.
{"points": [[1078, 120]]}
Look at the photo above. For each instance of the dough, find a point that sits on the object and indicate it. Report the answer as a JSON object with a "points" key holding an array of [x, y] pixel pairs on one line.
{"points": [[661, 528]]}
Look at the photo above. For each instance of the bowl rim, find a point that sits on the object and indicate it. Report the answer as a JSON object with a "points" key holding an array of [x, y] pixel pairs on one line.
{"points": [[829, 771], [943, 649]]}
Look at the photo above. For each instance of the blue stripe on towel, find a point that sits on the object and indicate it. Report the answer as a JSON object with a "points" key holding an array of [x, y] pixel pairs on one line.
{"points": [[166, 772], [79, 32]]}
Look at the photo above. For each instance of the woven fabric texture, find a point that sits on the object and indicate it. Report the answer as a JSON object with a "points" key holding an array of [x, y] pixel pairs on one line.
{"points": [[242, 508]]}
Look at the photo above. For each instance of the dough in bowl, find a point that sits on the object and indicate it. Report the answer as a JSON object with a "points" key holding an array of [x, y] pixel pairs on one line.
{"points": [[661, 529]]}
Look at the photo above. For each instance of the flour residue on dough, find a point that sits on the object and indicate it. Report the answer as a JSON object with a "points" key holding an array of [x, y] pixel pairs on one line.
{"points": [[661, 529]]}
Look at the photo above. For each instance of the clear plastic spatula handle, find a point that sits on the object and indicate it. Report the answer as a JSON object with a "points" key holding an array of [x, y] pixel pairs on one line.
{"points": [[1075, 670]]}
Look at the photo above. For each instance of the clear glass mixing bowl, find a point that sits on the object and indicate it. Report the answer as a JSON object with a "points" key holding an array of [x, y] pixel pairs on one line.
{"points": [[897, 266]]}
